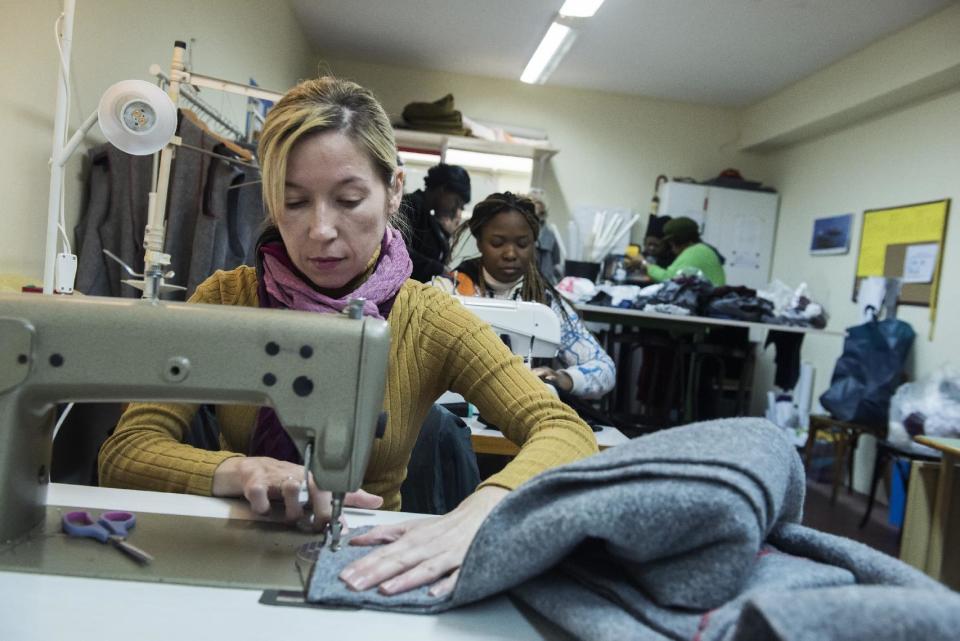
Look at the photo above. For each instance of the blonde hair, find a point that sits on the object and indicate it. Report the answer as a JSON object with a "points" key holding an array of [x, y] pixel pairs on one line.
{"points": [[317, 106]]}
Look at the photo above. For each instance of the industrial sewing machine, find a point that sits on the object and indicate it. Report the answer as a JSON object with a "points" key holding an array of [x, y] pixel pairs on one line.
{"points": [[324, 374]]}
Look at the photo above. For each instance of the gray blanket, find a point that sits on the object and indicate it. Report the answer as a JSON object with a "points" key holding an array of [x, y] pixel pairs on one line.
{"points": [[689, 533]]}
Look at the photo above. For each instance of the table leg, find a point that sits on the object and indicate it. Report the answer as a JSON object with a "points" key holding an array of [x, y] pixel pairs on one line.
{"points": [[921, 501], [696, 338], [941, 517]]}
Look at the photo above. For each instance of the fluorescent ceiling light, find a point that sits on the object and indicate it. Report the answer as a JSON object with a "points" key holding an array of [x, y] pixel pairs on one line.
{"points": [[497, 162], [415, 157], [551, 49], [580, 8]]}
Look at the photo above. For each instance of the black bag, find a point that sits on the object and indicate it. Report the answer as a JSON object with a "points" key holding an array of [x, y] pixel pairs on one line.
{"points": [[868, 372]]}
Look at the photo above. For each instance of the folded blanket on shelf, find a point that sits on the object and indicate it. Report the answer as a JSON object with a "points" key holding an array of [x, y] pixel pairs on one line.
{"points": [[438, 116]]}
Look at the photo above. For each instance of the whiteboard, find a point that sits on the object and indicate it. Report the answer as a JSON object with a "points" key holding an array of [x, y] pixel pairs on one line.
{"points": [[740, 223]]}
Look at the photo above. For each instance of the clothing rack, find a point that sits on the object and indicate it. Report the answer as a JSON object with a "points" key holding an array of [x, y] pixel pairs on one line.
{"points": [[199, 103]]}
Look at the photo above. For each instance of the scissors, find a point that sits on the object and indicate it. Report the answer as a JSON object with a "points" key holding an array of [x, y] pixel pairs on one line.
{"points": [[111, 527]]}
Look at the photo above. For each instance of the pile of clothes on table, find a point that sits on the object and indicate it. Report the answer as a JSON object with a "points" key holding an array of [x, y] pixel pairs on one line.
{"points": [[693, 295]]}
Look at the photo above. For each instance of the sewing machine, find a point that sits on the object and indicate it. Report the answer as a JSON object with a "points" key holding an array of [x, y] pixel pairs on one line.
{"points": [[324, 374], [531, 329]]}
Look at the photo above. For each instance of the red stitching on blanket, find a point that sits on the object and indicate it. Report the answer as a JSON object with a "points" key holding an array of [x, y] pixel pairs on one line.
{"points": [[704, 620]]}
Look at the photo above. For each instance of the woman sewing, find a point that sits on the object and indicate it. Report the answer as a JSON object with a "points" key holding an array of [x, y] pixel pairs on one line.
{"points": [[506, 228], [332, 188]]}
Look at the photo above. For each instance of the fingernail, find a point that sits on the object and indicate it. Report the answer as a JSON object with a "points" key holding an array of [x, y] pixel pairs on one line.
{"points": [[388, 587], [346, 574], [436, 591], [359, 584]]}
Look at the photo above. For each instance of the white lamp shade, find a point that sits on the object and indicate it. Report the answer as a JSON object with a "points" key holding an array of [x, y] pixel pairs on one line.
{"points": [[137, 117]]}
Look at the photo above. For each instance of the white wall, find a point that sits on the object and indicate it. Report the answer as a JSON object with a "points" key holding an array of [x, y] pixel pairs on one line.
{"points": [[906, 67], [612, 146], [907, 157], [115, 40], [885, 158]]}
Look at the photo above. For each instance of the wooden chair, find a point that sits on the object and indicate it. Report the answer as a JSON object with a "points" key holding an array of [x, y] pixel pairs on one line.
{"points": [[845, 438]]}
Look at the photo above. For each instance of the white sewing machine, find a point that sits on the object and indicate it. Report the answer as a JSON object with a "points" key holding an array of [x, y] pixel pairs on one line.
{"points": [[324, 374], [531, 329]]}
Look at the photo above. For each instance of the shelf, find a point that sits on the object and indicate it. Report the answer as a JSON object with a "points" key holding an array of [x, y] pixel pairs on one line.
{"points": [[413, 140]]}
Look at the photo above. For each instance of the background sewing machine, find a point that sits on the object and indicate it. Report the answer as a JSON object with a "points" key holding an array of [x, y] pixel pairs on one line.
{"points": [[324, 374], [530, 330]]}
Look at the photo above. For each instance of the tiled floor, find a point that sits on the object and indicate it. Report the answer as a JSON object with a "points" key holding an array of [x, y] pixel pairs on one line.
{"points": [[843, 518]]}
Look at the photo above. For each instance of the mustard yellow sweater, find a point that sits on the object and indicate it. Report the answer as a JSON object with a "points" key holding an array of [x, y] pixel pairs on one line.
{"points": [[436, 345]]}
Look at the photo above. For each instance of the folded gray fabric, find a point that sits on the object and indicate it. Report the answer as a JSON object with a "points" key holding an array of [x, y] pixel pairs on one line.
{"points": [[853, 613], [684, 510], [675, 535]]}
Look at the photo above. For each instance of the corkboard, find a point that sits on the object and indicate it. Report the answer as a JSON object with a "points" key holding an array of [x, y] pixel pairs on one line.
{"points": [[884, 237]]}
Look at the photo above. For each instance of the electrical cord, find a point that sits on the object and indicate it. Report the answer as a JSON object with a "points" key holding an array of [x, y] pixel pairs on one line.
{"points": [[62, 223]]}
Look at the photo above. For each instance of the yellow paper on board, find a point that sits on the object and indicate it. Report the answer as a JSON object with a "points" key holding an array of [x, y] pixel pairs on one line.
{"points": [[905, 225]]}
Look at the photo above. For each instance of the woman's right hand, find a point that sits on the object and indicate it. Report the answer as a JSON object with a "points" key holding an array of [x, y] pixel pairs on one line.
{"points": [[260, 479]]}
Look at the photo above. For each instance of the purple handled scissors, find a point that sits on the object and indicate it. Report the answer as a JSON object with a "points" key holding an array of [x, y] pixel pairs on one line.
{"points": [[111, 527]]}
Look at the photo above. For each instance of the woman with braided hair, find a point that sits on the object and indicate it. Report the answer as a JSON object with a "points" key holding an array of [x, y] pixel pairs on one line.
{"points": [[506, 228]]}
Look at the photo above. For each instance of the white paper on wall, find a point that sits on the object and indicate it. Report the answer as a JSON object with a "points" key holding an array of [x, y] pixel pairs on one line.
{"points": [[919, 263]]}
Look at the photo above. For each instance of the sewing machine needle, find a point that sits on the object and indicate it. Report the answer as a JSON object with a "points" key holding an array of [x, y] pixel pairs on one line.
{"points": [[335, 526]]}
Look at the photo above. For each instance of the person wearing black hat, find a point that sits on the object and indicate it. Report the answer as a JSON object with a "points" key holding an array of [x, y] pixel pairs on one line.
{"points": [[655, 248], [683, 236], [432, 214]]}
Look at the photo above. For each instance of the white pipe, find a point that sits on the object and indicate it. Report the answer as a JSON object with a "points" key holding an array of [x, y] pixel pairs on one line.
{"points": [[199, 80], [61, 114], [155, 261], [803, 393]]}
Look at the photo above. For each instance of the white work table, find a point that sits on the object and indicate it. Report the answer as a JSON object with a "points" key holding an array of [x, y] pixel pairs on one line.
{"points": [[486, 440], [625, 316], [45, 607]]}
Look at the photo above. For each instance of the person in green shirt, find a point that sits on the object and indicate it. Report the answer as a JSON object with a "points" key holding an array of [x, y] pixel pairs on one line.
{"points": [[683, 236]]}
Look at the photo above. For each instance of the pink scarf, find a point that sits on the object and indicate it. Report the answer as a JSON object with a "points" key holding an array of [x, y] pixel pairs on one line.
{"points": [[281, 285], [285, 285]]}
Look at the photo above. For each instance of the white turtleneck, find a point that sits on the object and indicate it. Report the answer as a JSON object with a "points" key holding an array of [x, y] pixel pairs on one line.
{"points": [[498, 288]]}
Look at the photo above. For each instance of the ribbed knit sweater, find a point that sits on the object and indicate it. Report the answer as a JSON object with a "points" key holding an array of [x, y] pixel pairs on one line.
{"points": [[435, 345]]}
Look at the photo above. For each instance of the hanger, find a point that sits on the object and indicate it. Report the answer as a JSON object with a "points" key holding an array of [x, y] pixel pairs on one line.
{"points": [[245, 154]]}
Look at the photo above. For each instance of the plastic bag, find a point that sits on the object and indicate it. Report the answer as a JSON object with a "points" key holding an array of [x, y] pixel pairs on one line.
{"points": [[930, 406], [793, 306], [577, 290], [778, 293], [868, 372]]}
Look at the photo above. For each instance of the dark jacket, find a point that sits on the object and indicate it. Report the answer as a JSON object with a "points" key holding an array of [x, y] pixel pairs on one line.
{"points": [[427, 241], [443, 469]]}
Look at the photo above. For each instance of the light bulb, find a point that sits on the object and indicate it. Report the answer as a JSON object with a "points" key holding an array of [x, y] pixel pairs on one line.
{"points": [[137, 117]]}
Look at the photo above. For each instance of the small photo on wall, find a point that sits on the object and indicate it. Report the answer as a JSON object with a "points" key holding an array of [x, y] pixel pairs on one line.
{"points": [[831, 235]]}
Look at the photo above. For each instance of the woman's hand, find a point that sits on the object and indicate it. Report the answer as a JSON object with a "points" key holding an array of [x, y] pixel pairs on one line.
{"points": [[261, 479], [557, 377], [422, 551], [636, 263]]}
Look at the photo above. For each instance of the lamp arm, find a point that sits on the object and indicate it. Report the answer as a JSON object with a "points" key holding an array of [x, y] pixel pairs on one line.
{"points": [[75, 140]]}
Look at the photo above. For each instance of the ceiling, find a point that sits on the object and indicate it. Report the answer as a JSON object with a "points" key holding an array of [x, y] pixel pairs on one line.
{"points": [[713, 52]]}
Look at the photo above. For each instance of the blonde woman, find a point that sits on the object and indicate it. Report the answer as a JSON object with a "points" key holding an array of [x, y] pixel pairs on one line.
{"points": [[331, 190]]}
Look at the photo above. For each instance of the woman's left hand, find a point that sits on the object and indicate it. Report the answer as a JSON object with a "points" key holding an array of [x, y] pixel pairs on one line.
{"points": [[557, 377], [422, 551]]}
